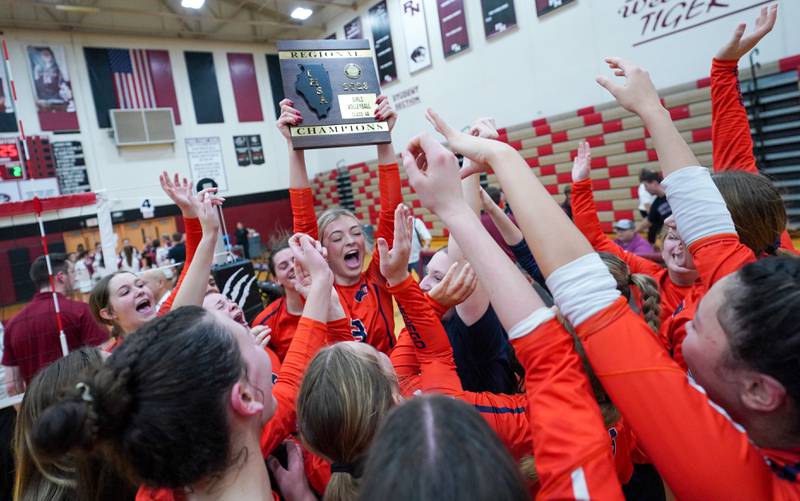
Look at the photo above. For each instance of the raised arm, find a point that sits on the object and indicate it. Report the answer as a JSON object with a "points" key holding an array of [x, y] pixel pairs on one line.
{"points": [[304, 219], [308, 338], [584, 215], [195, 282], [574, 463], [730, 129], [181, 192]]}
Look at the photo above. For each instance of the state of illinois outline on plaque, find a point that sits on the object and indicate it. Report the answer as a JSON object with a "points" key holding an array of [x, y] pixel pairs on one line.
{"points": [[334, 85]]}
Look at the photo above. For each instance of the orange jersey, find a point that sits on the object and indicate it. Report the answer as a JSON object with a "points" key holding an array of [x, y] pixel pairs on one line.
{"points": [[367, 301], [282, 323], [584, 213], [194, 232], [698, 451], [732, 145], [308, 339], [715, 258], [151, 494]]}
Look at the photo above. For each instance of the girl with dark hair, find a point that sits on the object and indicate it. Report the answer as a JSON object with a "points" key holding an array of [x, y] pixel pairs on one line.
{"points": [[363, 291], [421, 436], [72, 477]]}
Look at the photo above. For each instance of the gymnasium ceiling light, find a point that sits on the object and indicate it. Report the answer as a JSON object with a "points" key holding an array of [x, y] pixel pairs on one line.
{"points": [[192, 4], [79, 9], [301, 13]]}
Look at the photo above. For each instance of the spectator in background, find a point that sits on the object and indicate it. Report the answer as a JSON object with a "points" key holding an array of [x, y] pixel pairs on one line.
{"points": [[659, 208], [31, 339], [8, 418], [130, 259], [178, 251], [629, 240], [162, 250], [497, 197], [241, 239], [420, 241], [160, 285], [83, 275], [645, 197]]}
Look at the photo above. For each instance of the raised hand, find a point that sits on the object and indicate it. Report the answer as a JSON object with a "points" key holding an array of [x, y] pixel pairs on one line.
{"points": [[289, 116], [311, 258], [638, 94], [484, 127], [385, 111], [582, 163], [180, 191], [394, 261], [740, 45], [205, 205], [262, 333], [457, 285], [433, 173], [291, 480], [471, 146]]}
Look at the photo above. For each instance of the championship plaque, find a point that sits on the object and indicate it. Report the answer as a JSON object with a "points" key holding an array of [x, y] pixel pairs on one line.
{"points": [[334, 85]]}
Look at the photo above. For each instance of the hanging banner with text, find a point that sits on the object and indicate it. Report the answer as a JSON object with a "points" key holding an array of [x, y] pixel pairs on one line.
{"points": [[498, 16], [546, 6], [70, 167], [453, 26], [352, 30], [418, 51], [382, 42]]}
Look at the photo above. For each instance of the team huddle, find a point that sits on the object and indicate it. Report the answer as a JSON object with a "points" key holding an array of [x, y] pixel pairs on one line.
{"points": [[542, 362]]}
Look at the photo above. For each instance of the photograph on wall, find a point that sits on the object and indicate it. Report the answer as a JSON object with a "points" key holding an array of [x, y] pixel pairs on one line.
{"points": [[546, 6], [206, 161], [352, 30], [52, 88], [382, 41], [418, 51], [453, 26], [498, 16], [256, 150]]}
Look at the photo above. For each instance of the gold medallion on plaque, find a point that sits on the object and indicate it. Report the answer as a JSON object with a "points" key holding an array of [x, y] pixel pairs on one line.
{"points": [[352, 71]]}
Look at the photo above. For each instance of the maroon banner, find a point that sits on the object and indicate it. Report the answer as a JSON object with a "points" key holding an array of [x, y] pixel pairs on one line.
{"points": [[353, 30], [453, 25], [245, 87], [163, 86], [545, 6], [52, 88]]}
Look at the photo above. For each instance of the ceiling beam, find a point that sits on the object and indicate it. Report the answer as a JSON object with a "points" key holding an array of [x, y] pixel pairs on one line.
{"points": [[183, 22]]}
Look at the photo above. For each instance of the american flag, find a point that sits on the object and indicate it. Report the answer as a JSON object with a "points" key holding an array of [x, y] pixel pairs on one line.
{"points": [[133, 82]]}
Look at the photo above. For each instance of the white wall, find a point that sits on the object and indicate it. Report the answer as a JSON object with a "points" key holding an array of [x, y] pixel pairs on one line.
{"points": [[548, 66], [131, 174]]}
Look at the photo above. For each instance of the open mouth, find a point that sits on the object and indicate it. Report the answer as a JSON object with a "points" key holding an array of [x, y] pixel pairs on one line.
{"points": [[239, 317], [144, 306], [352, 259]]}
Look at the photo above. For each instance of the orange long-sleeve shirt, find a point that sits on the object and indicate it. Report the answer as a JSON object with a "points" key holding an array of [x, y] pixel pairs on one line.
{"points": [[698, 451], [584, 213], [368, 300], [731, 142], [194, 232], [570, 442], [308, 339]]}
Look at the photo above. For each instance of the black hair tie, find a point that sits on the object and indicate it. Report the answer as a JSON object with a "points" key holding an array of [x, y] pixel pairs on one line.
{"points": [[342, 468]]}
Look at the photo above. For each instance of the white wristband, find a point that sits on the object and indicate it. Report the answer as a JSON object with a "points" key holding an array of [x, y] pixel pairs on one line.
{"points": [[582, 287], [529, 324]]}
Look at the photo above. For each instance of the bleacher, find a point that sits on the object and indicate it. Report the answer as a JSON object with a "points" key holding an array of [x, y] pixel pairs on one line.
{"points": [[621, 148]]}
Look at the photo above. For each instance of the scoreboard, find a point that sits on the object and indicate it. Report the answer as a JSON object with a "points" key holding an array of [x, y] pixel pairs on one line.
{"points": [[10, 163]]}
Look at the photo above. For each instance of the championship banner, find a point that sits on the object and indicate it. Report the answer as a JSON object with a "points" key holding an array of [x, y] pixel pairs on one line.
{"points": [[352, 30], [546, 6], [382, 38], [453, 26], [498, 16], [8, 120], [416, 34], [52, 88]]}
